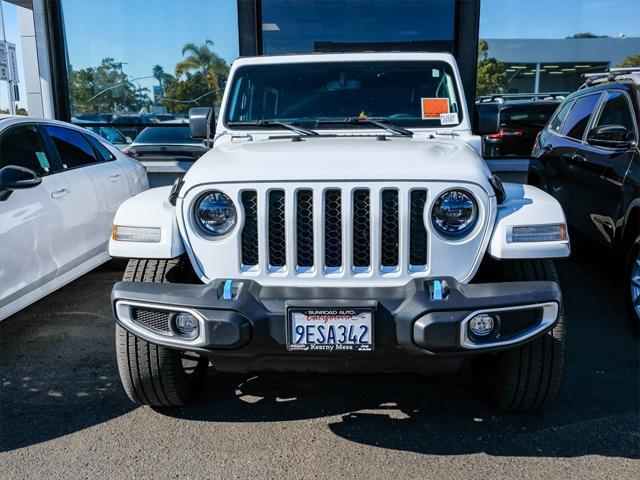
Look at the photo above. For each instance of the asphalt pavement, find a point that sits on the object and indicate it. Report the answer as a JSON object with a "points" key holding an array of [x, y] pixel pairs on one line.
{"points": [[63, 413]]}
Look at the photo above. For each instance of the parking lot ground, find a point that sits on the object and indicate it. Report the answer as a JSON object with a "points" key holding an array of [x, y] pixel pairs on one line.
{"points": [[63, 413]]}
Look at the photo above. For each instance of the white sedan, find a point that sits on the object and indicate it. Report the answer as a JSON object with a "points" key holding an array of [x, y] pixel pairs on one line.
{"points": [[60, 186]]}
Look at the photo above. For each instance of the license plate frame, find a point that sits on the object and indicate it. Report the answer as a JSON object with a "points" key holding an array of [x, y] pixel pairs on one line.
{"points": [[339, 311]]}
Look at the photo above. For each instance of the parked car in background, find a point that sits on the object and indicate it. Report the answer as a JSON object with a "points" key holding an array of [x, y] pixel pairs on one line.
{"points": [[166, 152], [522, 116], [60, 186], [131, 124], [588, 158], [113, 135]]}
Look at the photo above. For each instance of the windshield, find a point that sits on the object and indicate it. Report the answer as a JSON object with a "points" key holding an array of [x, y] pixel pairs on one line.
{"points": [[166, 135], [411, 94]]}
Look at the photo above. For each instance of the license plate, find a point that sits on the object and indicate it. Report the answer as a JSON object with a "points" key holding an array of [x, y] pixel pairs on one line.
{"points": [[330, 329]]}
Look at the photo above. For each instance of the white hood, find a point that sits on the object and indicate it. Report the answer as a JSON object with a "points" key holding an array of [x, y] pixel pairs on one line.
{"points": [[340, 159]]}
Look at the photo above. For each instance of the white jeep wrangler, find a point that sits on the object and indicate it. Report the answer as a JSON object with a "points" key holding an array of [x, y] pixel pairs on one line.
{"points": [[344, 220]]}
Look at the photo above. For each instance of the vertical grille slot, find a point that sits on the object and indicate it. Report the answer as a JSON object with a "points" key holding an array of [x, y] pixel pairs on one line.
{"points": [[333, 228], [390, 229], [361, 228], [277, 238], [304, 228], [417, 230], [249, 236]]}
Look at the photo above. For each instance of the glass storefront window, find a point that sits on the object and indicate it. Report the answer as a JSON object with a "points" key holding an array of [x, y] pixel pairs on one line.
{"points": [[537, 46], [16, 24], [304, 26], [147, 61]]}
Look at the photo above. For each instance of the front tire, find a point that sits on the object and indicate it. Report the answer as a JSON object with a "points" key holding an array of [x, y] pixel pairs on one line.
{"points": [[632, 275], [526, 378], [152, 374]]}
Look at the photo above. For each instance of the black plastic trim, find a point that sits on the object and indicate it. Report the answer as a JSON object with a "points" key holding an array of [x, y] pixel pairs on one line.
{"points": [[396, 311]]}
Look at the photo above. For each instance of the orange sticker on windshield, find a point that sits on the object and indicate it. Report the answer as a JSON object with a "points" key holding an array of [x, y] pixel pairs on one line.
{"points": [[433, 107]]}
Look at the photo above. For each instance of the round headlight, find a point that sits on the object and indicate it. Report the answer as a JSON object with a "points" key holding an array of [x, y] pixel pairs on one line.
{"points": [[216, 213], [454, 213]]}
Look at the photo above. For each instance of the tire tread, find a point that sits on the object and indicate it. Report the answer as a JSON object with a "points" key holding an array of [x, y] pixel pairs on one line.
{"points": [[152, 374]]}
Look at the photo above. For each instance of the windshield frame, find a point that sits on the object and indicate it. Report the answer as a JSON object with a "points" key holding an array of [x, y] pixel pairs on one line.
{"points": [[229, 100]]}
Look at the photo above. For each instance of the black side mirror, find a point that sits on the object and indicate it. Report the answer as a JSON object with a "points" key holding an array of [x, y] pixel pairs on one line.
{"points": [[612, 136], [202, 122], [13, 178], [487, 118]]}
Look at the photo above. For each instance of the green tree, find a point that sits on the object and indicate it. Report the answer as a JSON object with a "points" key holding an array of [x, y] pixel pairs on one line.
{"points": [[162, 77], [630, 61], [199, 79], [587, 35], [491, 74], [104, 89], [205, 61]]}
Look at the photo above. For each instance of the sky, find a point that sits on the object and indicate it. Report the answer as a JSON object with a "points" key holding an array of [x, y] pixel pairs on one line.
{"points": [[143, 33], [558, 18]]}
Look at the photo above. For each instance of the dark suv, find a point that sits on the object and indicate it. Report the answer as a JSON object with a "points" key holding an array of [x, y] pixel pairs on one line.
{"points": [[587, 157], [522, 116]]}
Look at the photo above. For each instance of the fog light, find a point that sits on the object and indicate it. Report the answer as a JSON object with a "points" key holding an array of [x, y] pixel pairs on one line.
{"points": [[481, 325], [186, 324]]}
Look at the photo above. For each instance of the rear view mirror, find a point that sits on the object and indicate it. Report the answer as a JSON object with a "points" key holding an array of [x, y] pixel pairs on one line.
{"points": [[612, 136], [487, 118], [13, 178], [202, 122]]}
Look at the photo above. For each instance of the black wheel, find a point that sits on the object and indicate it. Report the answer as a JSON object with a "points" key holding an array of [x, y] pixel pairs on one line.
{"points": [[632, 276], [152, 374], [526, 378]]}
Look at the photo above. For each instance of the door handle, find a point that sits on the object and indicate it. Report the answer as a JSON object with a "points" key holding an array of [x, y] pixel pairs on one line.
{"points": [[114, 177], [547, 148], [63, 192], [578, 158]]}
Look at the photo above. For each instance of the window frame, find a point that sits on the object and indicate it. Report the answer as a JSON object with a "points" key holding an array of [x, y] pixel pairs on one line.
{"points": [[595, 117], [52, 155], [571, 101], [587, 127], [45, 133], [112, 157]]}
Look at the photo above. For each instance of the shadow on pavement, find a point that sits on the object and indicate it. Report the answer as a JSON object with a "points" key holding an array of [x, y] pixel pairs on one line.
{"points": [[597, 412], [59, 376], [57, 364]]}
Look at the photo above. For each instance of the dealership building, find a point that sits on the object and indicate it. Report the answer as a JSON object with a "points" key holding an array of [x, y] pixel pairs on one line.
{"points": [[64, 45]]}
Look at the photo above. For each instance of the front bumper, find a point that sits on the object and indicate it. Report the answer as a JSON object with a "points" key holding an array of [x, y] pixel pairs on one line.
{"points": [[243, 325]]}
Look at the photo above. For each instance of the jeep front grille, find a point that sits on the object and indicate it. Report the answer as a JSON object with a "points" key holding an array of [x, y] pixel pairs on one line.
{"points": [[357, 230]]}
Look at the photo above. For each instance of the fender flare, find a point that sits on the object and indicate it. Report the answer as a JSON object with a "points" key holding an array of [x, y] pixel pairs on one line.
{"points": [[149, 209], [526, 205]]}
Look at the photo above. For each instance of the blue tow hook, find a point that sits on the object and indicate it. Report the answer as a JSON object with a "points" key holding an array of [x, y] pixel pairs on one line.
{"points": [[437, 290], [227, 292]]}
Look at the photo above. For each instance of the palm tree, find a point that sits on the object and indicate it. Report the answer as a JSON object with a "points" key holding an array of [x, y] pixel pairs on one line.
{"points": [[202, 59], [158, 73]]}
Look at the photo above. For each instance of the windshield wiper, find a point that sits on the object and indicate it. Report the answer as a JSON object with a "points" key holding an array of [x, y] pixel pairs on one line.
{"points": [[378, 122], [275, 123]]}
